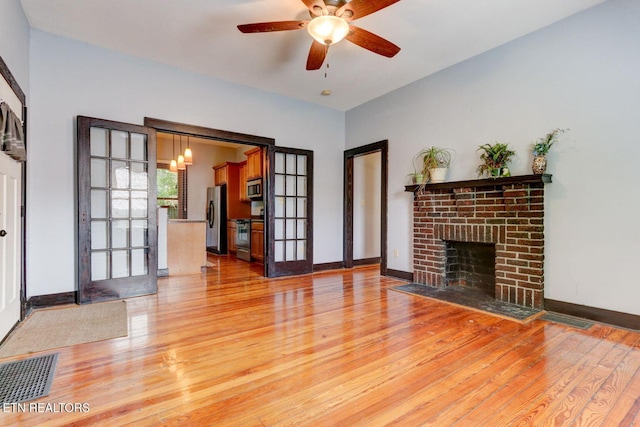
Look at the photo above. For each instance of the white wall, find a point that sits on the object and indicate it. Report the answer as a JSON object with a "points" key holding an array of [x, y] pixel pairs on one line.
{"points": [[69, 78], [367, 175], [581, 73], [14, 42]]}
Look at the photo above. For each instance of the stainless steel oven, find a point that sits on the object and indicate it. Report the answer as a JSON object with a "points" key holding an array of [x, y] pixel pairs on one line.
{"points": [[243, 239]]}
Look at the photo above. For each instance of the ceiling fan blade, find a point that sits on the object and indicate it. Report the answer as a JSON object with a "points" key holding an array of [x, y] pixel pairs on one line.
{"points": [[372, 42], [317, 7], [356, 9], [264, 27], [317, 53]]}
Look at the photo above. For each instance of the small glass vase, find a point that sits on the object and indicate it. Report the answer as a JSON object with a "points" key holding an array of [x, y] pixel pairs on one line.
{"points": [[500, 172], [417, 178], [539, 165]]}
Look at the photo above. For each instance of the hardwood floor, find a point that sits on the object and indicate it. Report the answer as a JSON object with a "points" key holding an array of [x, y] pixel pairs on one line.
{"points": [[337, 348]]}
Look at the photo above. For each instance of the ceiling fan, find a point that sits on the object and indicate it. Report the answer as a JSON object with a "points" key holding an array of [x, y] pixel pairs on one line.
{"points": [[330, 23]]}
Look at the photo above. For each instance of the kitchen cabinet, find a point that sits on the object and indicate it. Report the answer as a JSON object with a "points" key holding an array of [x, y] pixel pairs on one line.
{"points": [[228, 174], [257, 241], [221, 174], [231, 237], [254, 163], [243, 182]]}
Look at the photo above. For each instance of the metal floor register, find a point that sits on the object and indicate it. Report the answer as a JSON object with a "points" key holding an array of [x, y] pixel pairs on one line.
{"points": [[27, 379]]}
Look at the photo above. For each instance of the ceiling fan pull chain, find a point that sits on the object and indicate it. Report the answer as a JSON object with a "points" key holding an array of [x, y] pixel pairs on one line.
{"points": [[326, 53]]}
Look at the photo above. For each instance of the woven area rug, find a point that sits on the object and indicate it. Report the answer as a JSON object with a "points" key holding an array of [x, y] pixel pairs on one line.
{"points": [[50, 328]]}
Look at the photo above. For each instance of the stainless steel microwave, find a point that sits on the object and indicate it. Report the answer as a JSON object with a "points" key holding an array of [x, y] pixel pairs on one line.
{"points": [[254, 189]]}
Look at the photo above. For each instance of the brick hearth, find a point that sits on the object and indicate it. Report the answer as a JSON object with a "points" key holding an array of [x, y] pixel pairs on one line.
{"points": [[506, 212]]}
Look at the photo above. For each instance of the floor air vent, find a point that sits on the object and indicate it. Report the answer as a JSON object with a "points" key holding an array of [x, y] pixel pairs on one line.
{"points": [[27, 379]]}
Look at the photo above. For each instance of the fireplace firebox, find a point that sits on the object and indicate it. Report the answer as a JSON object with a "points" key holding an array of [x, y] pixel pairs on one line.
{"points": [[472, 265]]}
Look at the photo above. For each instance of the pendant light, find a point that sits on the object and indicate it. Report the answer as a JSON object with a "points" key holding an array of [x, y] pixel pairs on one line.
{"points": [[181, 165], [188, 155], [173, 166]]}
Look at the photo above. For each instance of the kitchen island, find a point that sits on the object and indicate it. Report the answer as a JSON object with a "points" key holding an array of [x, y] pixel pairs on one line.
{"points": [[186, 246]]}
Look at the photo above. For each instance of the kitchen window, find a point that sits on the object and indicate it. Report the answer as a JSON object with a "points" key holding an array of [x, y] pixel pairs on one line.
{"points": [[172, 191]]}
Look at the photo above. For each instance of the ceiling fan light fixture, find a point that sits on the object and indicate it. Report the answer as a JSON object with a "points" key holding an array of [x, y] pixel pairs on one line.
{"points": [[328, 29]]}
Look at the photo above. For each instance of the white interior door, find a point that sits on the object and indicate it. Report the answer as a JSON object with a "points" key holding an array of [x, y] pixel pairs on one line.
{"points": [[10, 242]]}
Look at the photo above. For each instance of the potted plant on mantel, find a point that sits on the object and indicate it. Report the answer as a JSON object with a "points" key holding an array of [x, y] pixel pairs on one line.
{"points": [[494, 160], [432, 164], [541, 148]]}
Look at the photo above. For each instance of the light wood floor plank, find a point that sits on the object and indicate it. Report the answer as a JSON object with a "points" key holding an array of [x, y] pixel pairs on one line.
{"points": [[230, 348], [548, 387], [595, 412]]}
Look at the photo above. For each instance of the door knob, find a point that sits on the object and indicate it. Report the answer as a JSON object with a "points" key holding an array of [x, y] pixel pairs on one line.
{"points": [[3, 233]]}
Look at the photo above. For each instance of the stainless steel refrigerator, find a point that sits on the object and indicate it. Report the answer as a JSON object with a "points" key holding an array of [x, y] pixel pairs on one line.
{"points": [[217, 219]]}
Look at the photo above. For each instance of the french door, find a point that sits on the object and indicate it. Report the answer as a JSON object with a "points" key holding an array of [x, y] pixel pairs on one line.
{"points": [[10, 242], [117, 234], [290, 219]]}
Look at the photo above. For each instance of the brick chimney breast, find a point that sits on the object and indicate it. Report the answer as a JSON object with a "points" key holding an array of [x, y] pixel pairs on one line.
{"points": [[505, 212]]}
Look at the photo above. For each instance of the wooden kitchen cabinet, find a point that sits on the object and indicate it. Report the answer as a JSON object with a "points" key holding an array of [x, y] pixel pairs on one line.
{"points": [[221, 173], [231, 237], [243, 182], [257, 241], [254, 163]]}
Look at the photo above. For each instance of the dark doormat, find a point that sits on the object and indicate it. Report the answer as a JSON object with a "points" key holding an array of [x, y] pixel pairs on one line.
{"points": [[27, 379], [472, 298]]}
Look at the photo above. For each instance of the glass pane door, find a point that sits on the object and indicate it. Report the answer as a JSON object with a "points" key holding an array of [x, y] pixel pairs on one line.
{"points": [[117, 224], [292, 250]]}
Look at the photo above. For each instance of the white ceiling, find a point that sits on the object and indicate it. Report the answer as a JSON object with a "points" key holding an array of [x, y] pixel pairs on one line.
{"points": [[201, 36]]}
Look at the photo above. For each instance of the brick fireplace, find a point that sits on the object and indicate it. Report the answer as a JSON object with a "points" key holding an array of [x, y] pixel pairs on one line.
{"points": [[505, 216]]}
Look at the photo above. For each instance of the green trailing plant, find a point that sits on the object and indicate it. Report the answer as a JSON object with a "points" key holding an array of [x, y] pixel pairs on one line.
{"points": [[431, 158], [542, 146], [494, 159]]}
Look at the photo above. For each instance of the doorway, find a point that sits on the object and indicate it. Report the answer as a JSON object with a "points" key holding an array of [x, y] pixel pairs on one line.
{"points": [[215, 153], [353, 182], [13, 209], [10, 242], [288, 196]]}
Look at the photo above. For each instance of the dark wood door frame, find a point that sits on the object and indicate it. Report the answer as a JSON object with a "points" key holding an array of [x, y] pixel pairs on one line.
{"points": [[204, 132], [227, 136], [349, 155], [17, 90]]}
